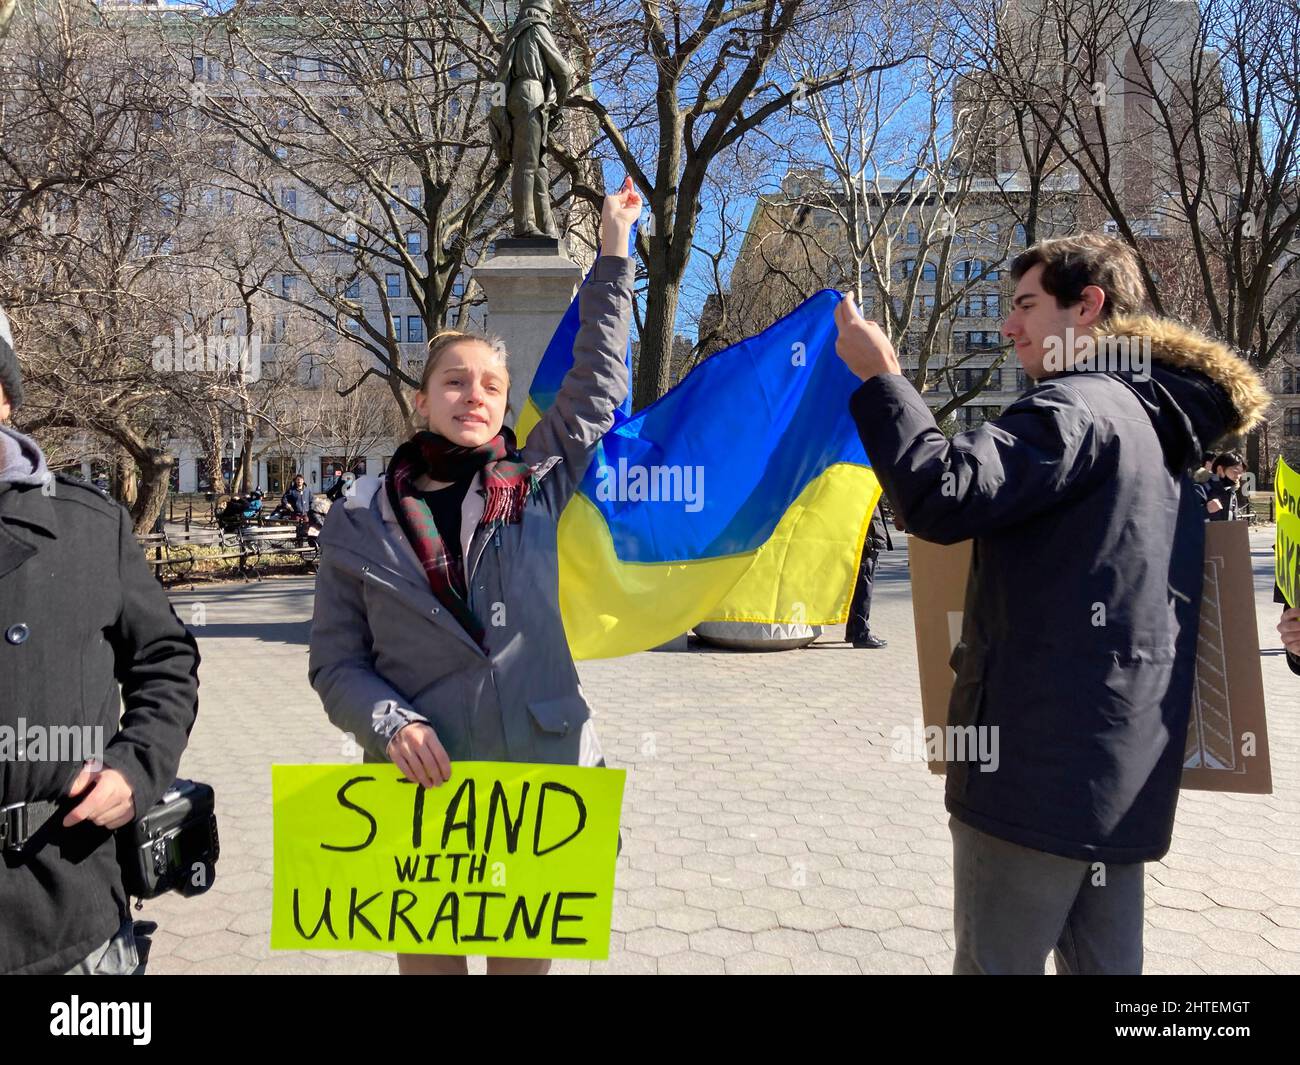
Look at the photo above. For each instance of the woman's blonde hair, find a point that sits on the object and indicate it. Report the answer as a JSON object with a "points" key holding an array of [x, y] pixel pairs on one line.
{"points": [[441, 343]]}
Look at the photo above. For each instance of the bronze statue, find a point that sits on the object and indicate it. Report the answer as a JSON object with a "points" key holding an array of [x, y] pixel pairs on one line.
{"points": [[536, 79]]}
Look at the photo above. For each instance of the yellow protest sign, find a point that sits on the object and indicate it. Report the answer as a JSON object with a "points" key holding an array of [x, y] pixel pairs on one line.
{"points": [[1286, 489], [505, 860]]}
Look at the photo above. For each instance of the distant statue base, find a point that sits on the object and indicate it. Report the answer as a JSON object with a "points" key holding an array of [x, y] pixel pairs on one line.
{"points": [[530, 246], [529, 283], [755, 636]]}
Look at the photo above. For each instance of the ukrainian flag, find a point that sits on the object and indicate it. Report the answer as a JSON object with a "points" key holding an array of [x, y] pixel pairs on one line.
{"points": [[742, 495]]}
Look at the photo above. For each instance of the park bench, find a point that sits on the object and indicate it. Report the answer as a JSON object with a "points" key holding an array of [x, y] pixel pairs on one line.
{"points": [[261, 542], [178, 552]]}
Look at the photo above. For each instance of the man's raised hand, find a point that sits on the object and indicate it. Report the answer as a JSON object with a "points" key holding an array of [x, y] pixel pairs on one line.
{"points": [[861, 343]]}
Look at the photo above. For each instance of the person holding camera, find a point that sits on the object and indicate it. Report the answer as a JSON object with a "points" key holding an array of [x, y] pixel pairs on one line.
{"points": [[1222, 494], [98, 693]]}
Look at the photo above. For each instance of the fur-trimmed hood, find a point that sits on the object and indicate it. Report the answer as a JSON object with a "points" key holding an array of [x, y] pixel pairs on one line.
{"points": [[1181, 348], [1195, 390]]}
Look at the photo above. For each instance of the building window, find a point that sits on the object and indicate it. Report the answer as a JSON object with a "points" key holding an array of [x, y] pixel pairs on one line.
{"points": [[1290, 380], [974, 270], [968, 378], [413, 195], [980, 305], [1291, 422], [414, 329], [413, 242], [287, 285], [353, 291], [289, 200], [913, 234], [904, 269], [929, 272], [978, 340], [393, 285], [1020, 237], [1022, 379]]}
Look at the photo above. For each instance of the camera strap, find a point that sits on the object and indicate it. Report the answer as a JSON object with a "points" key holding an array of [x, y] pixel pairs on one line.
{"points": [[20, 821]]}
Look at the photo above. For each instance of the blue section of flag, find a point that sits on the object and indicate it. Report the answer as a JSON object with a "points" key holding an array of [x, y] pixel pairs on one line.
{"points": [[754, 424]]}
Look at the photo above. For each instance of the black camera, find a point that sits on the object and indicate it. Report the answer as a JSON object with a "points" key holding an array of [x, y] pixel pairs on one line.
{"points": [[173, 846]]}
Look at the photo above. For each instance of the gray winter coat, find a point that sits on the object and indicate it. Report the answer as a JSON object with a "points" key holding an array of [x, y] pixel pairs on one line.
{"points": [[385, 652]]}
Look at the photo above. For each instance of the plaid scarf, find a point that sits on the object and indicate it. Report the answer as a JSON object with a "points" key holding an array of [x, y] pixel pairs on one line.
{"points": [[508, 482]]}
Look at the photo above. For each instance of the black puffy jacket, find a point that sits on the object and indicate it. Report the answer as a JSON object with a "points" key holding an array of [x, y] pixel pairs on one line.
{"points": [[1079, 632]]}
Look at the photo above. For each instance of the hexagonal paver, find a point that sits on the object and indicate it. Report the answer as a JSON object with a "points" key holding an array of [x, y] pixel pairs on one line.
{"points": [[687, 919], [756, 963], [785, 941], [747, 918], [918, 941], [722, 942], [890, 961], [852, 942], [656, 942], [807, 918]]}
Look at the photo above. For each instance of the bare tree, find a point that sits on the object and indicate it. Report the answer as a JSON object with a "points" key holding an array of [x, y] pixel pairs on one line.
{"points": [[1182, 122], [92, 172], [692, 82], [359, 129]]}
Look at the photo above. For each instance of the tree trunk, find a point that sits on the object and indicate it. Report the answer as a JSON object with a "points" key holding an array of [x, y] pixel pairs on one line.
{"points": [[654, 362], [155, 480], [214, 450], [123, 484]]}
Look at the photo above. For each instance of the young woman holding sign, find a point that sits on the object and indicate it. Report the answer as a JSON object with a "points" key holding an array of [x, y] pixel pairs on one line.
{"points": [[437, 634]]}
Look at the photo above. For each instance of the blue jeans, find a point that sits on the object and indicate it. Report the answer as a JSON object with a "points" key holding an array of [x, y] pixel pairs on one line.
{"points": [[1012, 905]]}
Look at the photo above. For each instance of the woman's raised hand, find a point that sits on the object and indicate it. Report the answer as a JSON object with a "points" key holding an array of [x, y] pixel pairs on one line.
{"points": [[617, 214]]}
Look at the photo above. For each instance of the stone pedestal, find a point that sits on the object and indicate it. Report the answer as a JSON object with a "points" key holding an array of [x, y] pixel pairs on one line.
{"points": [[529, 283], [756, 636]]}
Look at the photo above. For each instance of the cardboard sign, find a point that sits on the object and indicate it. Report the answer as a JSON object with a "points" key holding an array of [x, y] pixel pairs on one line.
{"points": [[1227, 736], [505, 860], [1286, 552]]}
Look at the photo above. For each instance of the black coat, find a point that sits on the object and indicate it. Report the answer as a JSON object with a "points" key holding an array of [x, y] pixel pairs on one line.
{"points": [[1229, 497], [1079, 631], [80, 614], [297, 500]]}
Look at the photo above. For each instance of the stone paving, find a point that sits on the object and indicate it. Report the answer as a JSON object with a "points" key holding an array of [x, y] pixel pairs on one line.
{"points": [[766, 827]]}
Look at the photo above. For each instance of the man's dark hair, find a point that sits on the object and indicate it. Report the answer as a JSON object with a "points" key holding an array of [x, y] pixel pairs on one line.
{"points": [[1228, 458], [1071, 264]]}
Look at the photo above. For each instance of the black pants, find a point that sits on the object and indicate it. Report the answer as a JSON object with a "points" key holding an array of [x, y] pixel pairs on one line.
{"points": [[859, 623]]}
